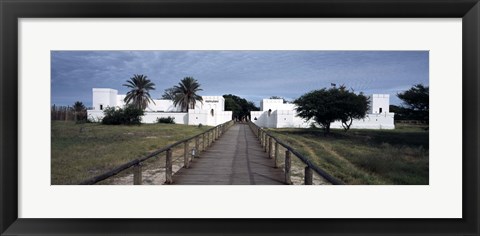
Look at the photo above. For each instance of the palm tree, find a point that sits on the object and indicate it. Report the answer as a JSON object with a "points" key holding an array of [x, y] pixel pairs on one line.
{"points": [[79, 110], [186, 93], [139, 95]]}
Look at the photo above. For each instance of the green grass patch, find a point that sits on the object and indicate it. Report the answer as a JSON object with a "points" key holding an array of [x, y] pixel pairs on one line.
{"points": [[397, 156], [82, 151]]}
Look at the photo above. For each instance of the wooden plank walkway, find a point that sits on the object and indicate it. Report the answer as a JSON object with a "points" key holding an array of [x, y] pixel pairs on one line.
{"points": [[237, 158]]}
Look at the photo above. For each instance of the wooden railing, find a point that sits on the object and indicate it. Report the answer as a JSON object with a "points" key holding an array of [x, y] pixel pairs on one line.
{"points": [[206, 139], [271, 146]]}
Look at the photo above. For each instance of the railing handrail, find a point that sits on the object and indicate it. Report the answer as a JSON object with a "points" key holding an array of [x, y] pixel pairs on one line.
{"points": [[137, 161], [304, 159]]}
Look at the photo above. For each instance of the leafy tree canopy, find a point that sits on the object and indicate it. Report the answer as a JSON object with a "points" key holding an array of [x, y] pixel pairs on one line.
{"points": [[240, 107], [325, 106], [169, 94], [130, 115], [415, 103]]}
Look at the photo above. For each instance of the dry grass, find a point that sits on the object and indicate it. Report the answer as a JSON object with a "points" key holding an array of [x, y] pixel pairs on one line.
{"points": [[82, 151], [397, 156]]}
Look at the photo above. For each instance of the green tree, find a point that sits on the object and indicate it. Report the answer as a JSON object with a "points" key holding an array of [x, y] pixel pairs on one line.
{"points": [[186, 93], [169, 94], [80, 111], [401, 113], [139, 94], [416, 102], [240, 107], [325, 106], [130, 115], [353, 106]]}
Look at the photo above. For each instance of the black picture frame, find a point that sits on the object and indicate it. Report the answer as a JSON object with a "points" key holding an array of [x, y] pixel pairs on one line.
{"points": [[11, 11]]}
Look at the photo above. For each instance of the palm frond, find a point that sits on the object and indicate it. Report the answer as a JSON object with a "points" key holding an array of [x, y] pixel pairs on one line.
{"points": [[139, 95]]}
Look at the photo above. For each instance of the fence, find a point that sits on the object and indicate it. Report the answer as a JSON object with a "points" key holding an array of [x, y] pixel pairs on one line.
{"points": [[200, 143], [272, 145], [66, 113]]}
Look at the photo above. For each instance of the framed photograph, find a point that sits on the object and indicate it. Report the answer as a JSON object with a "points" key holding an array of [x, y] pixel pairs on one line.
{"points": [[278, 56]]}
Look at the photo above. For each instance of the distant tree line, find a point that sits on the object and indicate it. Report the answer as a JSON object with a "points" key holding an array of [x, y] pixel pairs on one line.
{"points": [[415, 104], [240, 107], [77, 112]]}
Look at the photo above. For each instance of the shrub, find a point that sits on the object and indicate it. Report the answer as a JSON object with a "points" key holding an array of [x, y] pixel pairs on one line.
{"points": [[118, 116], [200, 125], [166, 120]]}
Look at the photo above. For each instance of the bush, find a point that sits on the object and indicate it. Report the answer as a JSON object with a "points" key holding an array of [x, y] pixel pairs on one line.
{"points": [[118, 116], [166, 120], [200, 125]]}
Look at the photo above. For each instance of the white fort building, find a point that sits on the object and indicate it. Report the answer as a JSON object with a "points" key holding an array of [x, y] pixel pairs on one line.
{"points": [[276, 114], [211, 112], [273, 112]]}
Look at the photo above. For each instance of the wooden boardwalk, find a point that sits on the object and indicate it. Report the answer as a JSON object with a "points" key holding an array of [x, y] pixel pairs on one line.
{"points": [[237, 158]]}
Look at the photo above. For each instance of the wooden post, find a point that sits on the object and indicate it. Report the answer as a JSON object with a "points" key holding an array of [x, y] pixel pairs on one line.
{"points": [[211, 137], [197, 145], [266, 142], [137, 174], [168, 167], [288, 165], [186, 162], [270, 147], [308, 176], [261, 138], [276, 155], [208, 138]]}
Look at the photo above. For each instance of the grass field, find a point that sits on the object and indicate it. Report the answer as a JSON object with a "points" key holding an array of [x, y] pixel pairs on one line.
{"points": [[397, 156], [82, 151]]}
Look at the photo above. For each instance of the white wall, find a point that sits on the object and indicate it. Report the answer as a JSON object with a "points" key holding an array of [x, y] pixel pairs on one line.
{"points": [[275, 104], [257, 117], [222, 117], [213, 102], [202, 114], [285, 119], [120, 100], [284, 115], [162, 105], [380, 101], [104, 96], [371, 121], [179, 117], [196, 117]]}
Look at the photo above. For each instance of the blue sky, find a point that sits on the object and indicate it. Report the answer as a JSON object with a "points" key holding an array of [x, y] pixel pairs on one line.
{"points": [[249, 74]]}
